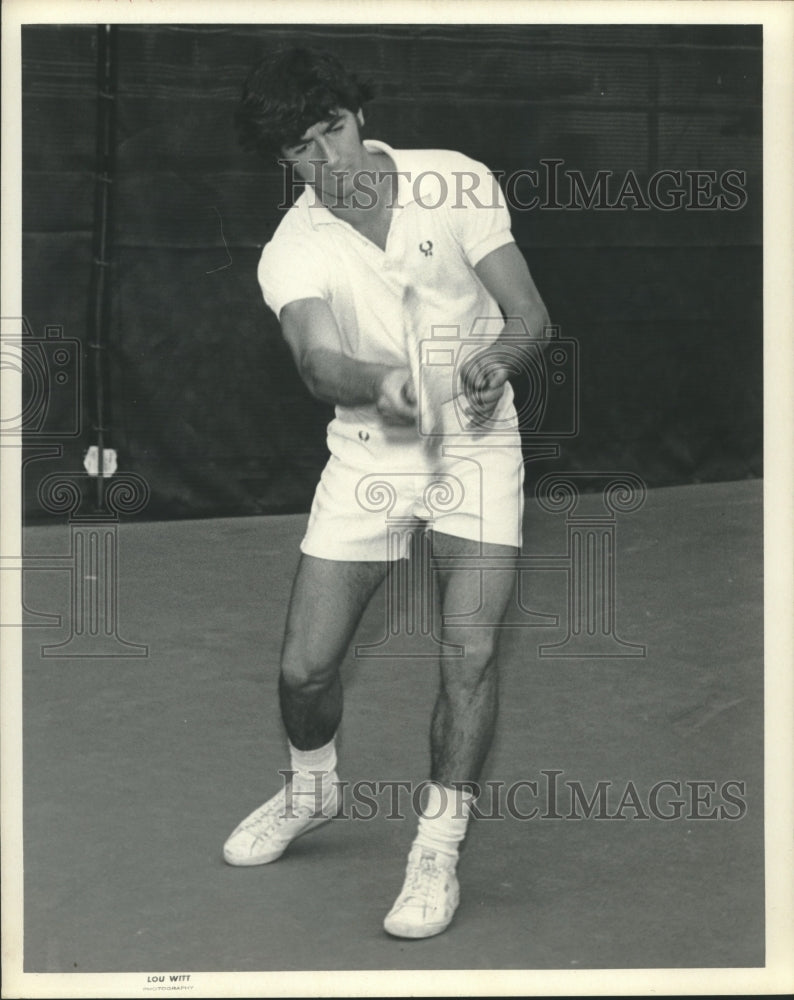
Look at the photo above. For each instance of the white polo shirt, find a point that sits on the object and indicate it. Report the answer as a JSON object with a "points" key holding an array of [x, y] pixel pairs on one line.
{"points": [[448, 215]]}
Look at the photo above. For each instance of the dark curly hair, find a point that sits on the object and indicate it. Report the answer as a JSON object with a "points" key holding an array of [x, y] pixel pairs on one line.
{"points": [[288, 92]]}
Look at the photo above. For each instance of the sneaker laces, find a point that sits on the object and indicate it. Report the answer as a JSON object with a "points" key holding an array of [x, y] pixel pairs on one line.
{"points": [[276, 813], [422, 876]]}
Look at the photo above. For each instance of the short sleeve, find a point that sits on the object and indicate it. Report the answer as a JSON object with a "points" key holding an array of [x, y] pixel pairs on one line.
{"points": [[477, 210], [291, 269]]}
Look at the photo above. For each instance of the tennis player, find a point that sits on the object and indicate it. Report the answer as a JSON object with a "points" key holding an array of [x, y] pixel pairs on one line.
{"points": [[384, 249]]}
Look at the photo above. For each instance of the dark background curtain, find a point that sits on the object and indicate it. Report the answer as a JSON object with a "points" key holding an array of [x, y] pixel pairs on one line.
{"points": [[204, 402]]}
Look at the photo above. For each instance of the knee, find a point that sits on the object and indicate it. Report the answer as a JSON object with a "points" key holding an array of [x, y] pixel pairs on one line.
{"points": [[479, 649], [305, 674], [473, 673]]}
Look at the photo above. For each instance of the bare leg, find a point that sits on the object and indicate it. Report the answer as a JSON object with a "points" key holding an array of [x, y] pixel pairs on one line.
{"points": [[463, 723], [328, 599], [464, 716]]}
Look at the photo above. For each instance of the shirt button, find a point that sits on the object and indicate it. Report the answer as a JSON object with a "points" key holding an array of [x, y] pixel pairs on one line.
{"points": [[364, 435]]}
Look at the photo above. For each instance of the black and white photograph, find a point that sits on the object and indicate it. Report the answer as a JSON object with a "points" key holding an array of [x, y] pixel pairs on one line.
{"points": [[396, 455]]}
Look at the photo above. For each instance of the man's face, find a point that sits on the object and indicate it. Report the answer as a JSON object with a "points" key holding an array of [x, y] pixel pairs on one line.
{"points": [[329, 153]]}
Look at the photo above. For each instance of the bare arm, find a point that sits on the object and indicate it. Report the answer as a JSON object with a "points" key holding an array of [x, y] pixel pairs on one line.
{"points": [[310, 329], [505, 274]]}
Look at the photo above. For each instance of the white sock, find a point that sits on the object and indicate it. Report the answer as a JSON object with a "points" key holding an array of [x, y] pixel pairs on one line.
{"points": [[307, 764], [445, 816]]}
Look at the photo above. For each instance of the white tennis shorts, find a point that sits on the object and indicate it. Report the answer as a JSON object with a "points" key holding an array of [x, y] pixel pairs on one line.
{"points": [[382, 483]]}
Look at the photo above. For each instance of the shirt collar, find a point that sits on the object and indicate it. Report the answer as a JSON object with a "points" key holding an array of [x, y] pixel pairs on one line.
{"points": [[319, 215]]}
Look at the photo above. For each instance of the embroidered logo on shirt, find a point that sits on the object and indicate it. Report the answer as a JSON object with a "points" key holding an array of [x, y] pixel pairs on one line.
{"points": [[426, 248]]}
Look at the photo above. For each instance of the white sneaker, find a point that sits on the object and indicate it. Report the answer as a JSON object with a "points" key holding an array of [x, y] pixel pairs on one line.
{"points": [[263, 836], [429, 896]]}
